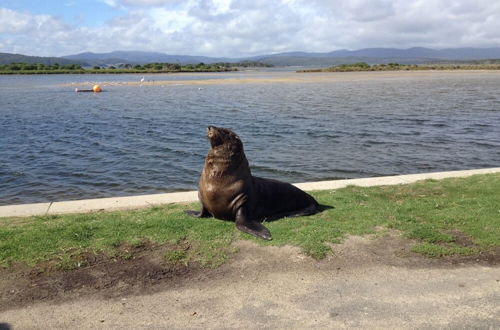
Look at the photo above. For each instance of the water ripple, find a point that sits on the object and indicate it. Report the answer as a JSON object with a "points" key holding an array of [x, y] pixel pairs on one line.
{"points": [[58, 145]]}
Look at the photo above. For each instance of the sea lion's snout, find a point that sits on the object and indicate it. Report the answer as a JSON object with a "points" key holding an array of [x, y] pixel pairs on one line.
{"points": [[211, 131], [219, 136], [214, 136]]}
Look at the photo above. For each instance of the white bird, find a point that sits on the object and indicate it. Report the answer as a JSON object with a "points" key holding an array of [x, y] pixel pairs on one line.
{"points": [[142, 79]]}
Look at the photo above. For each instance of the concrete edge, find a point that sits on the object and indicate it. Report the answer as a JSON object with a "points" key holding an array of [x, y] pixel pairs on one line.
{"points": [[141, 201]]}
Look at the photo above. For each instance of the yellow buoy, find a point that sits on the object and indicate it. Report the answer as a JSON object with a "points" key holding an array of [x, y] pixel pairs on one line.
{"points": [[96, 89]]}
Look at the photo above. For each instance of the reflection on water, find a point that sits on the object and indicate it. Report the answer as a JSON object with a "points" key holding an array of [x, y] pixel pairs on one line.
{"points": [[58, 145]]}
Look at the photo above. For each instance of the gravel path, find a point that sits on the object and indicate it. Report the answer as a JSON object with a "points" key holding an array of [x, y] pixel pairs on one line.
{"points": [[369, 283]]}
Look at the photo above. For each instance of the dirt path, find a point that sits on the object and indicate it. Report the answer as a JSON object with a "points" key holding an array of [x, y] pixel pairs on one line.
{"points": [[368, 283]]}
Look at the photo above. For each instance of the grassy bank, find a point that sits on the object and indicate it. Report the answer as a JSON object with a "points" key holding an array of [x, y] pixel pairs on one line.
{"points": [[452, 216]]}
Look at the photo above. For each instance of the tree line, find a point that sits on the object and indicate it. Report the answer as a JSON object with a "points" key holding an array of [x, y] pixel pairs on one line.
{"points": [[363, 66], [38, 66], [155, 67]]}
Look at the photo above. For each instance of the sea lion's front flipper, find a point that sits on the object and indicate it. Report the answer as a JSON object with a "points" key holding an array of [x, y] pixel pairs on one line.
{"points": [[199, 214], [251, 227]]}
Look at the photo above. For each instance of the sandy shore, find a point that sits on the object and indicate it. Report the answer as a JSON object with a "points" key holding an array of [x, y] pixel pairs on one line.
{"points": [[256, 77]]}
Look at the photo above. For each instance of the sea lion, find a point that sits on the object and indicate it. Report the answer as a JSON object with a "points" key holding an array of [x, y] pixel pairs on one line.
{"points": [[227, 190]]}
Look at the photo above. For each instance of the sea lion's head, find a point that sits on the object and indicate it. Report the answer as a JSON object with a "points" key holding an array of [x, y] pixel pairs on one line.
{"points": [[224, 137], [226, 153]]}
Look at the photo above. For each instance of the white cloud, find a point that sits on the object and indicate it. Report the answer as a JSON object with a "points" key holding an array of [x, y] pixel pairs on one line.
{"points": [[111, 3], [19, 23], [149, 3], [242, 27]]}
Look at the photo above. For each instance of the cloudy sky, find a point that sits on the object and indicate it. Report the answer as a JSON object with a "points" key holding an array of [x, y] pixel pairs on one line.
{"points": [[237, 28]]}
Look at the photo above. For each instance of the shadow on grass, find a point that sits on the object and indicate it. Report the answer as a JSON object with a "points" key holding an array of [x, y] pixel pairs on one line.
{"points": [[288, 215], [197, 214]]}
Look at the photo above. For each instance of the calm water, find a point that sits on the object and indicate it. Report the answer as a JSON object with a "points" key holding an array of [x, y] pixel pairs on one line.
{"points": [[59, 145]]}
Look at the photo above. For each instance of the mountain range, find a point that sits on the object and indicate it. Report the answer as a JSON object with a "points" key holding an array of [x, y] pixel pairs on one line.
{"points": [[139, 57], [416, 55], [7, 58]]}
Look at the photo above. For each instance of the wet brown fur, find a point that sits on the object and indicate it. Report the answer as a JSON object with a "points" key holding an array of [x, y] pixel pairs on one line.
{"points": [[227, 189]]}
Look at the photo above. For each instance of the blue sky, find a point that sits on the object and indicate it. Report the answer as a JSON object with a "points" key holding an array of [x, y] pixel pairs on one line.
{"points": [[81, 13], [237, 28]]}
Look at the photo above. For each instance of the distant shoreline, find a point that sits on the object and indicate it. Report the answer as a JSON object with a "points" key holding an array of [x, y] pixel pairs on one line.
{"points": [[364, 67], [336, 69], [104, 71], [149, 68]]}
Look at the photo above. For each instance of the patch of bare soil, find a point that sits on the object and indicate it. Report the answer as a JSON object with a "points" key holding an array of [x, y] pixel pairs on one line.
{"points": [[391, 249], [143, 269], [136, 269]]}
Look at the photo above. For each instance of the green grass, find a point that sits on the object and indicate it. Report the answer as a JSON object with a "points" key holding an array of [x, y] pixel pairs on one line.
{"points": [[430, 212], [426, 211]]}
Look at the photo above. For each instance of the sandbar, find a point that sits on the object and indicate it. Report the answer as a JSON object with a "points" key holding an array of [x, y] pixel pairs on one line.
{"points": [[293, 77]]}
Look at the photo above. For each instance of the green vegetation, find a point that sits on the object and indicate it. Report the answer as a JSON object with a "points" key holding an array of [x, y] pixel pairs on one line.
{"points": [[362, 66], [39, 68], [448, 217], [246, 64]]}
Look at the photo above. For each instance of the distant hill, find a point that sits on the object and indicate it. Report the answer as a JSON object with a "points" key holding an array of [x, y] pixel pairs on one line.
{"points": [[7, 58], [416, 55], [139, 57], [319, 60], [420, 52]]}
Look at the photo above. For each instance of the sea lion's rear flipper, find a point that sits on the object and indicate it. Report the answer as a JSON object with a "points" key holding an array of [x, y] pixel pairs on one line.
{"points": [[251, 227], [309, 210], [199, 214]]}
